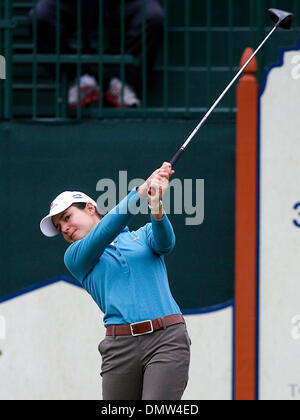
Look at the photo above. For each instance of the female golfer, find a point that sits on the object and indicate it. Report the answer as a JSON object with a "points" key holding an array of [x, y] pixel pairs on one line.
{"points": [[146, 350]]}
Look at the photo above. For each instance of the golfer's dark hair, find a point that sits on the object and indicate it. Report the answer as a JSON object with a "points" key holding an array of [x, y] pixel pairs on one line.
{"points": [[82, 206]]}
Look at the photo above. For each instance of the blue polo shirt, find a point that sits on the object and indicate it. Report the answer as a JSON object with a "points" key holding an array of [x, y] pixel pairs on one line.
{"points": [[124, 271]]}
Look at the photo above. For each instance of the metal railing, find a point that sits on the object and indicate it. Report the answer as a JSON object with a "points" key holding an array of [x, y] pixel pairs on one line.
{"points": [[202, 43]]}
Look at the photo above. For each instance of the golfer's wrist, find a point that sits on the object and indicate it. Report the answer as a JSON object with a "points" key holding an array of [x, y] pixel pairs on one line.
{"points": [[156, 207], [157, 213], [142, 190]]}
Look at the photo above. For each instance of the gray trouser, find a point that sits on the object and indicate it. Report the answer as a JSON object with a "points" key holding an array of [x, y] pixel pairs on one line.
{"points": [[147, 367]]}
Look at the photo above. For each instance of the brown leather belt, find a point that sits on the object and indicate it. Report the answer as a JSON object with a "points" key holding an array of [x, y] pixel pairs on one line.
{"points": [[145, 327]]}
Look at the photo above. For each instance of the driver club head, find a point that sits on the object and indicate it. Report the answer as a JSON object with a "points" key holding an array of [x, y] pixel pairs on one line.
{"points": [[283, 19]]}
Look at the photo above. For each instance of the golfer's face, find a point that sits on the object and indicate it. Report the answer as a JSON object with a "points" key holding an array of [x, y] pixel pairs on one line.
{"points": [[73, 223]]}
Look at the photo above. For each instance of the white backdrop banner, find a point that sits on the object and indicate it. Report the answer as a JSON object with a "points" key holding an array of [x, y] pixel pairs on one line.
{"points": [[279, 232]]}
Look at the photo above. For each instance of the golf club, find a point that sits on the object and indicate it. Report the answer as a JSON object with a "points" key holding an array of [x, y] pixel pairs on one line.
{"points": [[282, 19]]}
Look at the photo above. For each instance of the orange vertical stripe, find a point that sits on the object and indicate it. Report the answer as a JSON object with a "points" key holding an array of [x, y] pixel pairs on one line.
{"points": [[246, 233]]}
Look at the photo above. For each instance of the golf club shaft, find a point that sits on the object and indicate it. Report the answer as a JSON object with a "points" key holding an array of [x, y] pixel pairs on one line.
{"points": [[180, 151], [178, 154]]}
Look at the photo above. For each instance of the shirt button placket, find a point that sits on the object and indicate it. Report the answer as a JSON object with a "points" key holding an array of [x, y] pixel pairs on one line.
{"points": [[122, 260], [124, 264]]}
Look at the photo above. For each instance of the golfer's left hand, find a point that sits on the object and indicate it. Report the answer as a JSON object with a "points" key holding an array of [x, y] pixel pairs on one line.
{"points": [[164, 172], [158, 183]]}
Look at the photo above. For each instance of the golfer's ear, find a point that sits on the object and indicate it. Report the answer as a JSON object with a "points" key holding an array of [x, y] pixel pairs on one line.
{"points": [[91, 208]]}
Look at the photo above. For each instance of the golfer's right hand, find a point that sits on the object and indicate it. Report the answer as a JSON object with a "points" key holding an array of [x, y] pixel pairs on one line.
{"points": [[160, 174]]}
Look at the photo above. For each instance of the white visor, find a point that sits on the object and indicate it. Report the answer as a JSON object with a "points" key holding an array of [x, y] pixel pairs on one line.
{"points": [[60, 204]]}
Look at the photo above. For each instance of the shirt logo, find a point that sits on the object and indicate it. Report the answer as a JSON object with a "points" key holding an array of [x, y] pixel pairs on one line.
{"points": [[135, 239]]}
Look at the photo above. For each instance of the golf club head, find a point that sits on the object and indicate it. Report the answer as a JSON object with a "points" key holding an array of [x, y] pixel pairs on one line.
{"points": [[283, 19]]}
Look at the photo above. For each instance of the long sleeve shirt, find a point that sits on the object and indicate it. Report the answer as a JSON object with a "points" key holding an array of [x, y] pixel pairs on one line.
{"points": [[124, 271]]}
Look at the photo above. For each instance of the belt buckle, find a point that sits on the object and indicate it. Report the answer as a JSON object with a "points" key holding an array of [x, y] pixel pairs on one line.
{"points": [[142, 322]]}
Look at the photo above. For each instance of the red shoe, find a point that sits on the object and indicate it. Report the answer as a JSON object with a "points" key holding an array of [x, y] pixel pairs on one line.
{"points": [[89, 92], [114, 95]]}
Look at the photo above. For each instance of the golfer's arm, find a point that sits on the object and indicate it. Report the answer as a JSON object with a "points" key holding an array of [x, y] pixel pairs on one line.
{"points": [[82, 256], [161, 235], [158, 215]]}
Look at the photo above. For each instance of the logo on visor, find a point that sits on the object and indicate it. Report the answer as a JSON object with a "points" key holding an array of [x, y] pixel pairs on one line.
{"points": [[52, 205], [77, 196]]}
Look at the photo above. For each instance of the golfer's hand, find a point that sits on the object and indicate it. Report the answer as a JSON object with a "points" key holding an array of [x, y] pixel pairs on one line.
{"points": [[164, 172], [159, 183]]}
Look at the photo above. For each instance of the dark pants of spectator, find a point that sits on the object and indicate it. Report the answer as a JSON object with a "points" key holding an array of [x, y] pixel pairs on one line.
{"points": [[133, 20]]}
